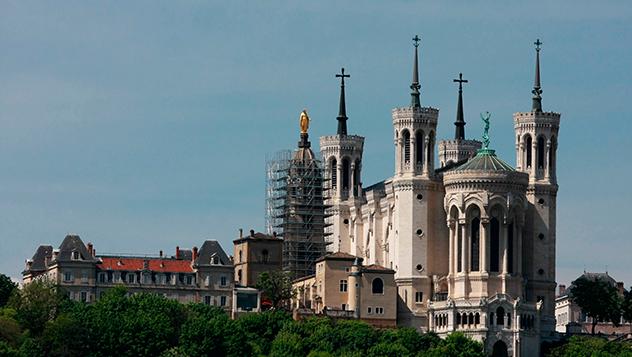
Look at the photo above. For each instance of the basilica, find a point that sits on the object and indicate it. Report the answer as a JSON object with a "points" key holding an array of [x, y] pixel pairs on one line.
{"points": [[471, 240]]}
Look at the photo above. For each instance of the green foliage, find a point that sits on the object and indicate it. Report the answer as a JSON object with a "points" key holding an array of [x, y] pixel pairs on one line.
{"points": [[6, 350], [10, 332], [456, 345], [287, 344], [276, 286], [261, 329], [626, 306], [36, 304], [384, 349], [597, 299], [584, 346], [7, 287]]}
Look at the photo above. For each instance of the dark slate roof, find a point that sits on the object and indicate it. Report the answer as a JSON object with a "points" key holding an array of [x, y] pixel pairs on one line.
{"points": [[336, 256], [208, 249], [485, 160], [374, 268], [186, 254], [257, 236], [73, 243], [599, 276], [39, 258]]}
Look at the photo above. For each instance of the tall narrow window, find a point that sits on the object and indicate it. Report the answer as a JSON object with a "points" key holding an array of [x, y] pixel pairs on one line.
{"points": [[552, 155], [500, 316], [419, 147], [334, 172], [406, 139], [356, 177], [459, 248], [529, 151], [345, 173], [494, 238], [429, 149], [377, 286], [541, 153], [510, 247], [475, 244], [265, 256]]}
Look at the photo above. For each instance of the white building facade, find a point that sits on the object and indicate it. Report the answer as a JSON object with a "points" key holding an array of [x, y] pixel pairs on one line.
{"points": [[472, 242]]}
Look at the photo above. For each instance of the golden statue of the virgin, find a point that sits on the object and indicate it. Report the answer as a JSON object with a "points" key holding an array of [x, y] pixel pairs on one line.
{"points": [[304, 121]]}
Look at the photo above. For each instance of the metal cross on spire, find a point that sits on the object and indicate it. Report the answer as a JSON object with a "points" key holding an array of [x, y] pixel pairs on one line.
{"points": [[415, 102], [459, 133], [416, 40], [537, 88], [342, 110], [537, 44]]}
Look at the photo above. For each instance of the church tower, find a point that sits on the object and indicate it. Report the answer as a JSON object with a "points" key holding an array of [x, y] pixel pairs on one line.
{"points": [[458, 150], [419, 219], [536, 155], [342, 157]]}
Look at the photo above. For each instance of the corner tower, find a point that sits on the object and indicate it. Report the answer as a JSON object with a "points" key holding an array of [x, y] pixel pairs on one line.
{"points": [[418, 222], [536, 155], [342, 157], [459, 149]]}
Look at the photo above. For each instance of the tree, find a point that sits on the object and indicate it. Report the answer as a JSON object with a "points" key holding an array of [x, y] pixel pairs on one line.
{"points": [[261, 329], [36, 304], [598, 299], [456, 345], [580, 346], [276, 286], [626, 307], [7, 287]]}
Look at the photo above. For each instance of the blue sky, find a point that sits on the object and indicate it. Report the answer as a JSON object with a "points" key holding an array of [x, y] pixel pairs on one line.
{"points": [[145, 125]]}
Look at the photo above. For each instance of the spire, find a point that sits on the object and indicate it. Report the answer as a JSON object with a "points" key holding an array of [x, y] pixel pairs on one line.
{"points": [[342, 111], [415, 102], [459, 133], [537, 89]]}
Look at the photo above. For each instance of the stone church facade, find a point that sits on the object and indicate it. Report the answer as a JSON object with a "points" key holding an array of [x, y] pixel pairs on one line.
{"points": [[471, 240]]}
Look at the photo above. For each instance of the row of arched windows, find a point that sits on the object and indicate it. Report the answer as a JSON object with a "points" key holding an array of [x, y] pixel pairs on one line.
{"points": [[423, 150], [470, 320], [540, 152], [500, 318], [527, 321], [346, 173], [441, 320]]}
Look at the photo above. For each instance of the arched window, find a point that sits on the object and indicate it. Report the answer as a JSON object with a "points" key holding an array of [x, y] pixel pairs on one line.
{"points": [[377, 286], [510, 247], [265, 256], [477, 319], [552, 150], [240, 256], [529, 152], [406, 139], [500, 316], [430, 150], [333, 166], [356, 177], [419, 147], [541, 152], [470, 320], [494, 242], [459, 248], [475, 243], [458, 319], [346, 168]]}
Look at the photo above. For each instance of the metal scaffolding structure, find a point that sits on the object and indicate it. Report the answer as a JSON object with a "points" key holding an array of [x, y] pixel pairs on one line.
{"points": [[295, 208]]}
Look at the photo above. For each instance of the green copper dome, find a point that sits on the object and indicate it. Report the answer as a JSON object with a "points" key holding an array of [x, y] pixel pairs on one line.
{"points": [[485, 160]]}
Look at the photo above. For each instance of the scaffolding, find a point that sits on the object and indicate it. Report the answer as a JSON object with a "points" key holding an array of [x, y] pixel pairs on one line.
{"points": [[295, 208]]}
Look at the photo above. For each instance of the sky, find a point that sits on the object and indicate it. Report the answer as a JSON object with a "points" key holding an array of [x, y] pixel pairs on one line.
{"points": [[142, 125]]}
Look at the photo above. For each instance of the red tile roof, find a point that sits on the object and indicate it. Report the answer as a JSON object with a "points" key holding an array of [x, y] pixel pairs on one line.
{"points": [[375, 267], [155, 264]]}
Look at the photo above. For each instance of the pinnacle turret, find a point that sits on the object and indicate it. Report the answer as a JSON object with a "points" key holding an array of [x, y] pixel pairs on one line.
{"points": [[342, 110], [415, 86], [537, 89], [459, 133]]}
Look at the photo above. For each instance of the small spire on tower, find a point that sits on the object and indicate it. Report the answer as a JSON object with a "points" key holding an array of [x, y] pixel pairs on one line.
{"points": [[415, 102], [459, 133], [537, 89], [342, 112]]}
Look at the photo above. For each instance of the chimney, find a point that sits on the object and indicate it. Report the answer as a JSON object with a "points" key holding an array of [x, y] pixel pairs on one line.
{"points": [[252, 233], [55, 254], [195, 253], [241, 233], [29, 264], [90, 249], [620, 287], [161, 253], [562, 290], [177, 252], [274, 234]]}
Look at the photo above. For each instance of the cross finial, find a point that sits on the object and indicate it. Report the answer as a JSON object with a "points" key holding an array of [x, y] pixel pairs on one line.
{"points": [[342, 76], [537, 44], [460, 81], [416, 40]]}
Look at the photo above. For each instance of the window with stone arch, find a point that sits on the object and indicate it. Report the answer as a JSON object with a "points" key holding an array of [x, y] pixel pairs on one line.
{"points": [[494, 244], [333, 167], [356, 176], [346, 173], [377, 286], [510, 247], [454, 216], [419, 147], [552, 151], [528, 151], [475, 239], [429, 148], [541, 152], [406, 142]]}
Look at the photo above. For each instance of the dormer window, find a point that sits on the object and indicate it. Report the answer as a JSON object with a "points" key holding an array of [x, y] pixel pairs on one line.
{"points": [[75, 255], [214, 259]]}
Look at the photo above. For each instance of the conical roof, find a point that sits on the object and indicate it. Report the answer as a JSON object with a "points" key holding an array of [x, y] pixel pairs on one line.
{"points": [[485, 160]]}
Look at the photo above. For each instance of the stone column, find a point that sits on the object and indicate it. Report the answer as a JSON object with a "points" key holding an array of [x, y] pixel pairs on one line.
{"points": [[428, 157], [352, 187], [546, 159], [503, 246], [339, 179], [519, 149], [534, 157], [484, 244], [451, 258], [464, 248], [399, 155], [518, 248]]}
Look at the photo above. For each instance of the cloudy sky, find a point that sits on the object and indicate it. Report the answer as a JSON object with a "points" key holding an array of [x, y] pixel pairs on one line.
{"points": [[142, 125]]}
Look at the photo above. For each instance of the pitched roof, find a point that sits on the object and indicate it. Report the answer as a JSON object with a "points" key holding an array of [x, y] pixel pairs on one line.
{"points": [[39, 258], [211, 248], [259, 236], [153, 264], [377, 268], [336, 256], [71, 244]]}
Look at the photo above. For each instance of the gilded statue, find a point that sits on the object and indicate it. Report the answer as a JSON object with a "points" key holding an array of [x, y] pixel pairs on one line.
{"points": [[304, 121]]}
